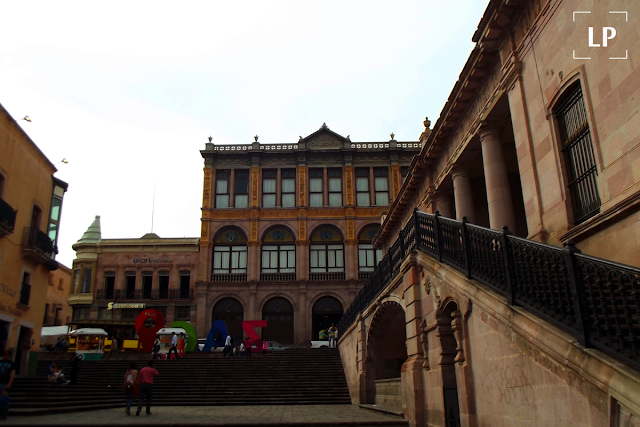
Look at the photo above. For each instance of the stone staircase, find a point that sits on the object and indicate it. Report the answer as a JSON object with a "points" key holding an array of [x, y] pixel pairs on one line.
{"points": [[290, 377]]}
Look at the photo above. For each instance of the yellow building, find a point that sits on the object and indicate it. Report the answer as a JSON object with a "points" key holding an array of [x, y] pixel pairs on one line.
{"points": [[57, 310], [30, 208]]}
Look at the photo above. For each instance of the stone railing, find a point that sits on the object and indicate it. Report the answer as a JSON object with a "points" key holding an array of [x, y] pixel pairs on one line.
{"points": [[595, 300]]}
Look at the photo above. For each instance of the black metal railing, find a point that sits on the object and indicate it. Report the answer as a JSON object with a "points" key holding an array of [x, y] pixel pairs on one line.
{"points": [[35, 238], [596, 300], [277, 277], [141, 295], [229, 277], [335, 275], [7, 218], [364, 275]]}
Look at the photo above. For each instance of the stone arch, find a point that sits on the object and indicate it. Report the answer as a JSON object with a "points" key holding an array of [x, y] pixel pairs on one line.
{"points": [[326, 310], [231, 311], [278, 312], [215, 231], [386, 352], [364, 228], [284, 295], [266, 234], [317, 235], [449, 330]]}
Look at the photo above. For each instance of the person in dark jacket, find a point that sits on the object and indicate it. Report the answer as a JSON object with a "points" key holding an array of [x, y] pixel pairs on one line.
{"points": [[76, 361]]}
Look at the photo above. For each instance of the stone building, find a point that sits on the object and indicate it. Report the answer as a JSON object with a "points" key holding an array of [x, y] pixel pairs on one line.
{"points": [[468, 324], [115, 279], [30, 212], [57, 311], [287, 229]]}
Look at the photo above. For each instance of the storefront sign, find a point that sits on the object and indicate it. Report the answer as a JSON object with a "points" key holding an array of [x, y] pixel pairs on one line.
{"points": [[113, 305], [152, 261], [11, 310], [12, 292]]}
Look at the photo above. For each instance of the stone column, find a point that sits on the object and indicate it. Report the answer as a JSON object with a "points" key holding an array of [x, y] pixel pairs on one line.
{"points": [[301, 333], [496, 179], [253, 261], [443, 203], [462, 193], [302, 260], [201, 318], [351, 259], [252, 303]]}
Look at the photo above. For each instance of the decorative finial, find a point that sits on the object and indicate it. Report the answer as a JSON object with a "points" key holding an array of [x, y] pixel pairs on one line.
{"points": [[256, 138], [392, 135], [426, 122], [324, 126], [348, 137], [300, 138], [210, 138]]}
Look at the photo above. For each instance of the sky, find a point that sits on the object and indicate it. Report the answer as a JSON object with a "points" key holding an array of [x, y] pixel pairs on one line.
{"points": [[129, 92]]}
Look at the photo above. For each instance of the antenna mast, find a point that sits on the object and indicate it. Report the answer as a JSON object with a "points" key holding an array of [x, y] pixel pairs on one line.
{"points": [[153, 206]]}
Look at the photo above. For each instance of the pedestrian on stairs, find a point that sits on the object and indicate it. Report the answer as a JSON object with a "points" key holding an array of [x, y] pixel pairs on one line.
{"points": [[113, 351], [264, 348], [227, 346], [76, 361], [181, 345], [174, 346], [248, 344], [242, 349], [130, 385], [145, 381], [332, 336]]}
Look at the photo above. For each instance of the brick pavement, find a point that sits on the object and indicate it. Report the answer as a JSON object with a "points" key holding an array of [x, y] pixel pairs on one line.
{"points": [[175, 416]]}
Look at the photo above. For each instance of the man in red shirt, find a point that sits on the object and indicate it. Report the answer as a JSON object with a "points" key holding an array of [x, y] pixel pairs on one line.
{"points": [[145, 381]]}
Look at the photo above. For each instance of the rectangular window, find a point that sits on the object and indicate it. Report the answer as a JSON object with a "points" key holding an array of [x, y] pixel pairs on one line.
{"points": [[241, 189], [61, 284], [76, 279], [147, 283], [105, 314], [109, 285], [578, 153], [381, 186], [278, 259], [269, 188], [362, 187], [229, 259], [182, 313], [222, 189], [163, 285], [368, 257], [326, 258], [315, 188], [86, 279], [335, 187], [81, 314], [46, 315], [404, 170], [185, 283], [288, 188], [129, 314], [59, 187], [130, 285]]}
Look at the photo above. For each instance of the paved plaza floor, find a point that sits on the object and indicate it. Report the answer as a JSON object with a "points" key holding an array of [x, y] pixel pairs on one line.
{"points": [[293, 415]]}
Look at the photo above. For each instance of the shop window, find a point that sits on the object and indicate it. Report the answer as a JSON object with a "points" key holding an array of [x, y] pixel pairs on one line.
{"points": [[241, 189], [222, 189], [363, 198], [288, 188], [315, 188], [269, 188]]}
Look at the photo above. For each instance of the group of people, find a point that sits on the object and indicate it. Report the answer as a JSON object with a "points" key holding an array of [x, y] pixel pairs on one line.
{"points": [[139, 384], [56, 374], [178, 345], [331, 335], [242, 350]]}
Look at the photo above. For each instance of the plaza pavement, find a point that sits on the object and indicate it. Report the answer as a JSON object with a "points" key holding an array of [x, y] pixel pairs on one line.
{"points": [[236, 416]]}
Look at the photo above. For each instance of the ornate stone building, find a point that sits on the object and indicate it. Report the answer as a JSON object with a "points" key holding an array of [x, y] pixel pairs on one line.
{"points": [[287, 229]]}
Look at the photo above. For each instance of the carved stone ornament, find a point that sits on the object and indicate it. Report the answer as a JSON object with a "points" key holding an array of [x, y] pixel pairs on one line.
{"points": [[325, 141]]}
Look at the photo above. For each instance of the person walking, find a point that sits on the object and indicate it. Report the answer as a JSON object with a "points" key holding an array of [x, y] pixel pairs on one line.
{"points": [[248, 345], [181, 345], [234, 345], [113, 351], [130, 385], [145, 382], [174, 346], [7, 372], [264, 348], [227, 346], [76, 361], [242, 349], [156, 348], [332, 336]]}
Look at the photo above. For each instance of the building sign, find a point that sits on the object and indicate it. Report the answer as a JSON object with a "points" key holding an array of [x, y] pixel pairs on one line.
{"points": [[113, 305], [152, 261]]}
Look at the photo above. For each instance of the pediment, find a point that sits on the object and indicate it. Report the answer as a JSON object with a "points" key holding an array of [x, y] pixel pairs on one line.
{"points": [[325, 138]]}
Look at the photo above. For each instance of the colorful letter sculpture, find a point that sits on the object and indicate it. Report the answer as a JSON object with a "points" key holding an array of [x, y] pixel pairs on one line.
{"points": [[217, 334], [247, 327], [147, 324], [192, 339]]}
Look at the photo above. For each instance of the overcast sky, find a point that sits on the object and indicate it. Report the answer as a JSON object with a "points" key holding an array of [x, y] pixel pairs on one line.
{"points": [[128, 92]]}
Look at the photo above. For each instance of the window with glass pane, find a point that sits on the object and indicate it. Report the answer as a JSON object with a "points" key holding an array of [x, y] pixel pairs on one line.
{"points": [[335, 187], [381, 186], [315, 188], [241, 189], [163, 284], [326, 258], [86, 279], [362, 187], [222, 189], [288, 188], [185, 283], [269, 189], [229, 259], [278, 259], [368, 257], [182, 313], [130, 284], [404, 170], [147, 280], [109, 285]]}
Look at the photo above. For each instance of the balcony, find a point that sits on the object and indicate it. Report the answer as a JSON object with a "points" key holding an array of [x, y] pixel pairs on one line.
{"points": [[7, 218], [229, 277], [364, 275], [336, 275], [140, 295], [37, 248], [277, 277]]}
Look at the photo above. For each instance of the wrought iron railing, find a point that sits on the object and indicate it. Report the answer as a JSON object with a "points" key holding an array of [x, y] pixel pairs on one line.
{"points": [[7, 218], [335, 275], [229, 277], [37, 239], [142, 295], [277, 277], [596, 300]]}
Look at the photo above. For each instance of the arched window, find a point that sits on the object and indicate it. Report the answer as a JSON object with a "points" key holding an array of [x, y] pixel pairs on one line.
{"points": [[579, 160], [326, 254], [368, 256], [229, 256], [278, 255]]}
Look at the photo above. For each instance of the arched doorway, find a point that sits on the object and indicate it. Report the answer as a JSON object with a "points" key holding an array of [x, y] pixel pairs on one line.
{"points": [[386, 353], [449, 344], [278, 312], [230, 310], [326, 310]]}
